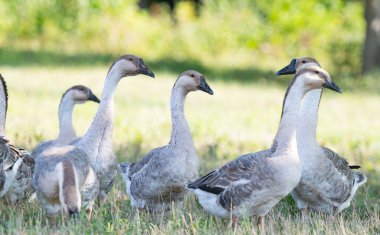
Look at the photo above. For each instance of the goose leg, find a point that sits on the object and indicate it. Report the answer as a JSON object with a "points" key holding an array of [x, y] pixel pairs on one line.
{"points": [[260, 223], [304, 214], [234, 221], [89, 211], [335, 210]]}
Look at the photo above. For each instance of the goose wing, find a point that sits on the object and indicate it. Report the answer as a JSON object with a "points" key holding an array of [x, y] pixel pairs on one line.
{"points": [[340, 163], [40, 148], [236, 180], [153, 175], [136, 167], [342, 183]]}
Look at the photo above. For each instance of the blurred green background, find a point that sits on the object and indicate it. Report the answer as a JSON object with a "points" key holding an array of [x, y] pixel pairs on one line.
{"points": [[247, 37], [47, 46]]}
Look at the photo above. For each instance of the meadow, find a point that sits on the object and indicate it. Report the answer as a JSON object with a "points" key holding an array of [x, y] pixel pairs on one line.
{"points": [[239, 118], [48, 46]]}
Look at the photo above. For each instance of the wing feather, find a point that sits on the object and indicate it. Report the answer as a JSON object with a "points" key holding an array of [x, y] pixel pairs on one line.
{"points": [[236, 180]]}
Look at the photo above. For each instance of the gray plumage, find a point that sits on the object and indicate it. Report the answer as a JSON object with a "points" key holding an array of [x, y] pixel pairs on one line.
{"points": [[16, 166], [16, 173], [253, 183], [328, 182], [74, 95], [160, 177], [97, 142], [48, 177]]}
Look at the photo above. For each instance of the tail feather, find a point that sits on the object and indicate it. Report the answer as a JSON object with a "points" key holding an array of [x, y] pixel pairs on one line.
{"points": [[68, 189], [354, 167], [359, 178], [124, 168]]}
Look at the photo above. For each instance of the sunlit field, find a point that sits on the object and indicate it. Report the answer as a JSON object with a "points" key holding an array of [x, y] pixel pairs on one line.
{"points": [[237, 119]]}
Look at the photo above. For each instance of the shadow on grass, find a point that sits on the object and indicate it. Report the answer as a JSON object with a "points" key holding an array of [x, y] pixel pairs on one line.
{"points": [[20, 58]]}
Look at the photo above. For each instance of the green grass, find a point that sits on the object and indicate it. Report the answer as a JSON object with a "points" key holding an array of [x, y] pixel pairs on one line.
{"points": [[239, 118]]}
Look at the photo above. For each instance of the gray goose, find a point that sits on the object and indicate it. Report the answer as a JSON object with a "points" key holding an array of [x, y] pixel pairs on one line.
{"points": [[160, 177], [16, 166], [328, 183], [97, 142], [75, 95], [253, 183], [70, 177]]}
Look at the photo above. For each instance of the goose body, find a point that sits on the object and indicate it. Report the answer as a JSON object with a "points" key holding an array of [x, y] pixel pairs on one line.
{"points": [[68, 178], [16, 165], [160, 177], [328, 184], [64, 180], [74, 95], [253, 183]]}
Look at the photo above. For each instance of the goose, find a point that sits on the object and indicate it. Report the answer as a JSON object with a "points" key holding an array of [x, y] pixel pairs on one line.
{"points": [[160, 176], [16, 165], [75, 95], [328, 183], [97, 142], [253, 183], [68, 178]]}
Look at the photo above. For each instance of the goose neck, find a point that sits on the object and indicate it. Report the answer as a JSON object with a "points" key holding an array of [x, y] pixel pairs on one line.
{"points": [[180, 134], [65, 112], [286, 134], [308, 117], [100, 131], [3, 107]]}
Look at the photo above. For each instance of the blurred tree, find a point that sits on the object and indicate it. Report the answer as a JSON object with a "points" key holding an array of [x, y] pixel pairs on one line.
{"points": [[371, 51], [150, 5]]}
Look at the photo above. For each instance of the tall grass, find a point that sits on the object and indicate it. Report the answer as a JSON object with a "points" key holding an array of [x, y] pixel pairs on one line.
{"points": [[238, 119]]}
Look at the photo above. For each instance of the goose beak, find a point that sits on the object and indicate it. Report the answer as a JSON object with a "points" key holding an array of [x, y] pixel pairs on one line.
{"points": [[93, 97], [143, 69], [331, 85], [203, 86], [289, 69]]}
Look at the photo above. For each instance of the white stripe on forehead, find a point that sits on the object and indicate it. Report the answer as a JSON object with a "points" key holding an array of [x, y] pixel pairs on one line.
{"points": [[308, 61], [312, 69]]}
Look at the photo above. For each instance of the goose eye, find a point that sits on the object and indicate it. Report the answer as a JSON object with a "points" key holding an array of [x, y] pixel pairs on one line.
{"points": [[303, 62], [130, 59], [316, 72], [192, 75]]}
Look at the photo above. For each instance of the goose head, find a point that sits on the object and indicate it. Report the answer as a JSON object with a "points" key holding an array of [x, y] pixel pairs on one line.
{"points": [[130, 65], [80, 94], [297, 64], [192, 80], [314, 77]]}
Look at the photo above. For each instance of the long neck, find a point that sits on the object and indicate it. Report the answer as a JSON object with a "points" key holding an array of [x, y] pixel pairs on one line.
{"points": [[308, 117], [100, 131], [180, 135], [286, 135], [65, 113], [3, 109]]}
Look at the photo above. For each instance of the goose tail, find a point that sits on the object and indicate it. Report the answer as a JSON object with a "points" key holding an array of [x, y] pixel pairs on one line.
{"points": [[69, 195], [124, 169], [359, 179], [354, 167]]}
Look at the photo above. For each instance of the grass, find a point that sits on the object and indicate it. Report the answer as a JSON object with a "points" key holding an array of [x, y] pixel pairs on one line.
{"points": [[239, 118]]}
